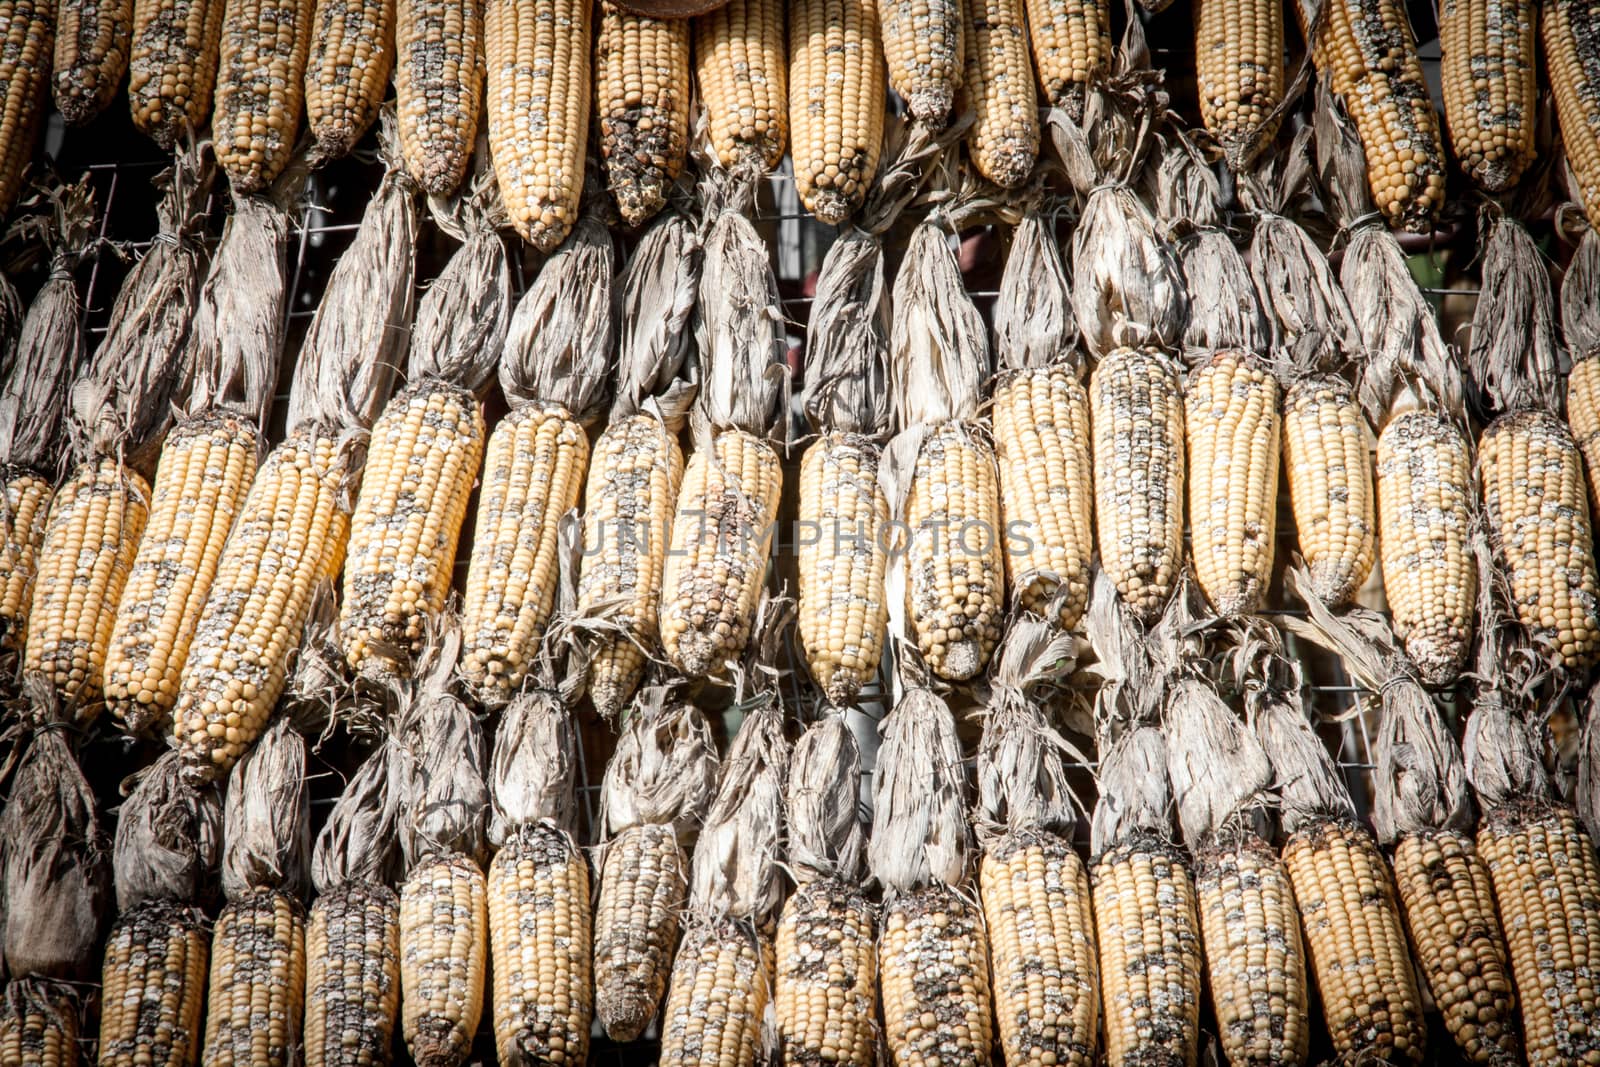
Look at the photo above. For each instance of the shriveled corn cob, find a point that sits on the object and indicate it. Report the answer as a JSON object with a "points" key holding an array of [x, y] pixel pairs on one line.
{"points": [[643, 886], [539, 929], [28, 42], [92, 38], [1327, 453], [422, 461], [1041, 444], [1448, 904], [1239, 74], [632, 490], [538, 105], [352, 976], [1369, 51], [1040, 925], [1356, 943], [721, 983], [258, 983], [721, 541], [641, 86], [1571, 30], [256, 118], [842, 559], [836, 96], [740, 70], [924, 44], [153, 987], [1583, 418], [89, 544], [438, 88], [1231, 424], [933, 968], [258, 603], [999, 84], [173, 67], [38, 1025], [1071, 49], [1138, 440], [1424, 486], [826, 968], [347, 71], [444, 944], [1490, 88], [206, 467], [27, 511], [1536, 504]]}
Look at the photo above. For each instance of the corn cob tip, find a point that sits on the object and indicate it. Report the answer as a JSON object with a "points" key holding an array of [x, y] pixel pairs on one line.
{"points": [[639, 196], [963, 658], [1070, 98], [1333, 583], [436, 1042], [1438, 658], [695, 655], [931, 107], [842, 686], [334, 139], [832, 207], [624, 1013]]}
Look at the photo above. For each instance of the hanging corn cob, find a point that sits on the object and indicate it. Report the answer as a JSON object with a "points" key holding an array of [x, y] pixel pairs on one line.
{"points": [[826, 984], [1041, 431], [255, 119], [538, 101], [1571, 31], [29, 43], [444, 904], [939, 472], [1034, 888], [92, 39], [291, 530], [36, 392], [173, 67], [999, 88], [121, 409], [740, 68], [39, 1024], [641, 88], [1355, 941], [657, 789], [1071, 49], [1145, 912], [1366, 51], [1490, 88], [1411, 391], [207, 462], [353, 962], [347, 72], [1534, 493], [426, 450], [722, 973], [1239, 75], [836, 99], [638, 465], [923, 43], [258, 949], [727, 510], [153, 984], [553, 370], [438, 88], [1580, 328]]}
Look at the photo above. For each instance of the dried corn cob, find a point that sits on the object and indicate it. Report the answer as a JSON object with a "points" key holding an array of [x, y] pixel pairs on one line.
{"points": [[1239, 73], [153, 987], [438, 88], [173, 66], [92, 39], [1071, 49], [347, 71], [1490, 89], [30, 41], [1327, 453], [721, 984], [836, 93], [255, 119], [740, 68], [641, 86], [999, 86], [923, 42], [39, 1024], [1571, 31]]}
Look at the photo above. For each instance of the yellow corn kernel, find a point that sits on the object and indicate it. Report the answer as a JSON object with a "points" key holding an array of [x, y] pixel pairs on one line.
{"points": [[1239, 74], [1490, 89], [825, 988], [92, 39], [438, 88], [1003, 142], [1327, 452], [716, 1001], [1571, 30], [836, 98], [924, 44], [933, 975], [1071, 48], [347, 71], [22, 526], [173, 67], [260, 88]]}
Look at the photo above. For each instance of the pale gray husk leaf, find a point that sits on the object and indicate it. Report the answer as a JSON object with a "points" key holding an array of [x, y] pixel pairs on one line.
{"points": [[10, 325], [169, 837], [267, 817], [360, 841], [558, 349], [1308, 785], [447, 801], [1127, 284], [655, 346], [1310, 319], [1215, 765], [533, 774], [463, 315], [1514, 358], [737, 871], [847, 340], [1033, 318], [663, 770], [1502, 757], [1134, 797], [939, 347], [1580, 307], [1223, 312], [1586, 795], [739, 328], [919, 821], [1130, 690], [1188, 196], [827, 839]]}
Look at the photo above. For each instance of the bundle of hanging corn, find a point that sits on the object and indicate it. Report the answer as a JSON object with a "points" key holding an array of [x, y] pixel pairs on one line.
{"points": [[539, 912], [724, 527], [1327, 444], [35, 394], [1041, 430], [121, 409], [351, 52], [641, 88], [353, 962], [153, 980], [1145, 911], [1131, 304], [444, 909], [208, 461], [1535, 498], [1410, 388], [254, 1010], [1580, 328], [290, 533], [92, 39], [1034, 888], [722, 975], [1255, 960], [1423, 812], [637, 466], [426, 449], [1354, 938], [657, 790], [1230, 421], [55, 885], [553, 370], [826, 986]]}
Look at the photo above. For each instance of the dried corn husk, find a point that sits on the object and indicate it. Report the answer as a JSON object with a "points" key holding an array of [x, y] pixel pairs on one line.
{"points": [[10, 325], [1586, 794], [1134, 798], [1130, 690], [655, 348], [1514, 359], [462, 317], [1033, 320], [446, 805], [360, 841], [267, 818], [919, 820], [558, 348], [169, 837], [736, 872], [940, 351], [1216, 766], [664, 769], [351, 351], [1580, 311], [533, 777], [826, 837], [739, 329], [124, 404]]}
